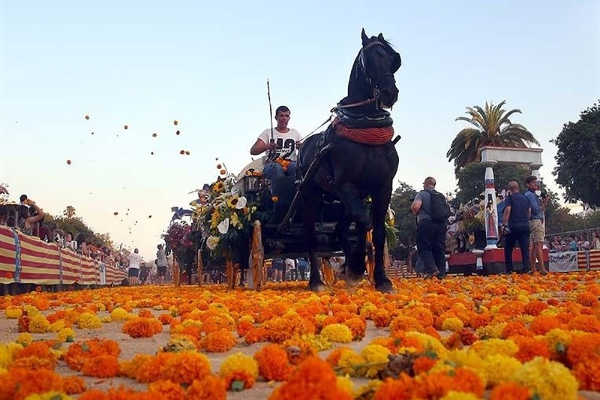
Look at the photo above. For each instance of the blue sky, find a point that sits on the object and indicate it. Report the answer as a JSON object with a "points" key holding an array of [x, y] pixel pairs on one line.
{"points": [[146, 64]]}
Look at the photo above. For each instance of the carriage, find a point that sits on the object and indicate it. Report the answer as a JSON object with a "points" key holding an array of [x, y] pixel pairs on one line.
{"points": [[339, 205]]}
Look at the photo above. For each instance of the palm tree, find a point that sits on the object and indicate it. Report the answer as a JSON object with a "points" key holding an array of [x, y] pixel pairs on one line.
{"points": [[492, 127]]}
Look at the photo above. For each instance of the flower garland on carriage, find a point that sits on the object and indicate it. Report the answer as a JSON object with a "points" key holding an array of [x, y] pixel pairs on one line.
{"points": [[224, 218]]}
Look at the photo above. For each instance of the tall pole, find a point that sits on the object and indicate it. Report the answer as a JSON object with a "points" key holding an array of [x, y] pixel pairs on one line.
{"points": [[491, 213], [272, 140]]}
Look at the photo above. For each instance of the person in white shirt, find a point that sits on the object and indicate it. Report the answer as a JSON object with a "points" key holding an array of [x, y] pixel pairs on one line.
{"points": [[134, 267], [282, 147]]}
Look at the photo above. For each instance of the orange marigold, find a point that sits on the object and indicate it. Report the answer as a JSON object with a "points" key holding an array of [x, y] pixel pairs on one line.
{"points": [[209, 388], [396, 389], [18, 383], [168, 390], [255, 335], [73, 385], [165, 319], [529, 348], [586, 323], [79, 352], [273, 363], [102, 366], [423, 364], [582, 347], [466, 380], [93, 394], [219, 341], [405, 323], [515, 328], [358, 327], [433, 385], [544, 323], [185, 367], [145, 314], [468, 336], [314, 379], [142, 327], [587, 372], [381, 318], [587, 299], [510, 391], [535, 307]]}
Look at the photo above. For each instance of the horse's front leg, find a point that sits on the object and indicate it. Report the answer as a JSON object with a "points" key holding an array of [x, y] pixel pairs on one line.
{"points": [[381, 201], [311, 205]]}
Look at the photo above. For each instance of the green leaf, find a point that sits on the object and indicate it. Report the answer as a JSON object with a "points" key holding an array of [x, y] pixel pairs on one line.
{"points": [[560, 348], [85, 347], [56, 397], [536, 396], [237, 386], [69, 339]]}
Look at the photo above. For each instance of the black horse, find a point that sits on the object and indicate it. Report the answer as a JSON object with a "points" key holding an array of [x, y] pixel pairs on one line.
{"points": [[350, 171]]}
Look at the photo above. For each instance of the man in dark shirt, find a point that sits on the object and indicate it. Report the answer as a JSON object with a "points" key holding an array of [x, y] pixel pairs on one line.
{"points": [[516, 217]]}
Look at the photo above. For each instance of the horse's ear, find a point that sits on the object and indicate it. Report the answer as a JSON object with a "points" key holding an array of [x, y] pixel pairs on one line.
{"points": [[380, 37], [364, 37]]}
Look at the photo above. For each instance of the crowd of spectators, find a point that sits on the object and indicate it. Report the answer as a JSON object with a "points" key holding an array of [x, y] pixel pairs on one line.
{"points": [[574, 242]]}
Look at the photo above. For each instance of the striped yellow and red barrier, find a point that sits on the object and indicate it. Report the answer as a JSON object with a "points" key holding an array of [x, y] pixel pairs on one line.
{"points": [[594, 259], [8, 255], [27, 259], [40, 261]]}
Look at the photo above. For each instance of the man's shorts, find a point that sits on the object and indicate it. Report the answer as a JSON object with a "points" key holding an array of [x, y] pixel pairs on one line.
{"points": [[162, 270], [133, 272], [536, 229]]}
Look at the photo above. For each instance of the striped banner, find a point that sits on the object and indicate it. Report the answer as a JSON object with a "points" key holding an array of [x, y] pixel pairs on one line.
{"points": [[71, 267], [594, 256], [89, 275], [40, 261], [8, 255]]}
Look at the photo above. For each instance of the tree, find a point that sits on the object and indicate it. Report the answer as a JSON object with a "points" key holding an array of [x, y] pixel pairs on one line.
{"points": [[578, 158], [491, 127], [69, 212], [471, 179], [404, 220]]}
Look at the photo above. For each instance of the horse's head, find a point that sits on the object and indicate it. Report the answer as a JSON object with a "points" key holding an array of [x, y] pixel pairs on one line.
{"points": [[377, 62]]}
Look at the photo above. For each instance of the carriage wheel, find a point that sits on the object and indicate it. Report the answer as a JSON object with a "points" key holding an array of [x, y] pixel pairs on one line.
{"points": [[327, 272], [229, 273], [370, 261], [200, 264], [175, 272], [257, 258]]}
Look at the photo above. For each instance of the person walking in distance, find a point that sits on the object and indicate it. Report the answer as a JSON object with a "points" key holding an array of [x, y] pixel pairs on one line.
{"points": [[135, 262], [161, 263], [432, 211], [515, 226], [536, 224]]}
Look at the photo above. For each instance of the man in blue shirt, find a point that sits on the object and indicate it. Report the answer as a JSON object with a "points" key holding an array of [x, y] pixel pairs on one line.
{"points": [[536, 224], [515, 223]]}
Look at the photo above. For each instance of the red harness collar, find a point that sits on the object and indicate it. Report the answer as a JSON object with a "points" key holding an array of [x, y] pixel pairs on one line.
{"points": [[372, 136]]}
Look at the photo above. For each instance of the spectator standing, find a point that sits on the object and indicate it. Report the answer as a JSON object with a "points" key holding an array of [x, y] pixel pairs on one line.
{"points": [[161, 263], [573, 244], [596, 241], [290, 267], [515, 225], [29, 223], [302, 266], [134, 267], [536, 224], [432, 211], [278, 268]]}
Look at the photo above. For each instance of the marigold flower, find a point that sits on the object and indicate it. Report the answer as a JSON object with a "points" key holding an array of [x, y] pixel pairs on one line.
{"points": [[314, 379], [495, 346], [273, 363], [219, 341], [168, 390], [357, 326], [396, 389], [18, 383], [38, 324], [454, 395], [351, 363], [78, 353], [376, 356], [452, 324], [510, 391], [142, 327], [185, 367], [239, 367], [587, 299], [499, 368], [337, 333], [24, 338], [549, 379], [13, 312], [381, 318], [119, 314], [102, 366], [73, 385], [89, 321], [586, 323], [208, 388]]}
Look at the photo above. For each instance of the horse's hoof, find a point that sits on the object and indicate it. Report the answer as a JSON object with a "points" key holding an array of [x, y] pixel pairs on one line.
{"points": [[384, 286], [352, 279], [317, 286]]}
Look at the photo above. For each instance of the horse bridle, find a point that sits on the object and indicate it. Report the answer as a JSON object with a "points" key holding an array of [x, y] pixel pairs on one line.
{"points": [[370, 80]]}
